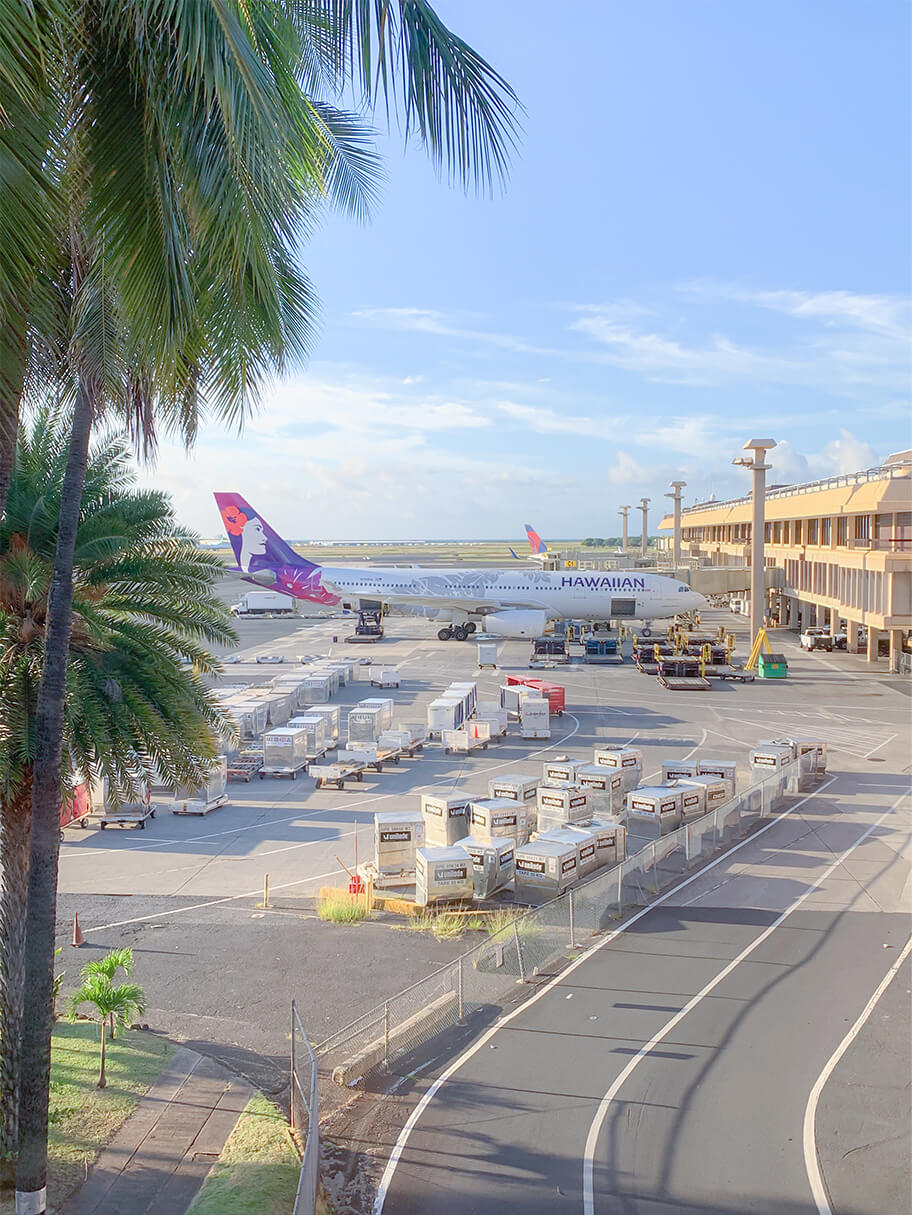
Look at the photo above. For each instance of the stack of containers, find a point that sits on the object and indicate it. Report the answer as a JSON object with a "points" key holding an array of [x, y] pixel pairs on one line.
{"points": [[544, 869], [654, 810], [493, 864], [498, 818], [607, 795], [365, 724], [446, 818], [397, 837], [442, 873], [330, 715], [626, 760], [559, 806]]}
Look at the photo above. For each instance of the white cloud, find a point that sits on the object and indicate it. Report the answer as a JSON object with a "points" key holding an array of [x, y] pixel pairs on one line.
{"points": [[848, 454], [549, 421], [887, 314]]}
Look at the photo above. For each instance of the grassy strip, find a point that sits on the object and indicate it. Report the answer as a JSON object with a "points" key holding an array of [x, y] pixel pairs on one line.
{"points": [[82, 1117], [342, 909], [257, 1172], [446, 926]]}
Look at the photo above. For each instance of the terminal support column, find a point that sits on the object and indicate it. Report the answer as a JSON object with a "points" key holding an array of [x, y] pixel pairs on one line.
{"points": [[873, 639], [852, 636]]}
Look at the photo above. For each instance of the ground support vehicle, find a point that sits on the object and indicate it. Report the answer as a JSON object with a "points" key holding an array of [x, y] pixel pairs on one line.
{"points": [[126, 816], [368, 629], [349, 765], [74, 809], [818, 638], [264, 603], [384, 677], [475, 736]]}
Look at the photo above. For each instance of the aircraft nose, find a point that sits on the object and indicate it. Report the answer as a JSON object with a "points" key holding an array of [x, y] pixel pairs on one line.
{"points": [[696, 600]]}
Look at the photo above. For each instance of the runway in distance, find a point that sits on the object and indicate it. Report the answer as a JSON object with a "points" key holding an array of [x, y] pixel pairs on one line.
{"points": [[505, 602]]}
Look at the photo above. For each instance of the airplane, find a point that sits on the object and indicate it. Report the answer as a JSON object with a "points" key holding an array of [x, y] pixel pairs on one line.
{"points": [[506, 603], [540, 550]]}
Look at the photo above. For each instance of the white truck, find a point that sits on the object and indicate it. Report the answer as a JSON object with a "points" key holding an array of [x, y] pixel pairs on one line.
{"points": [[264, 603], [818, 638]]}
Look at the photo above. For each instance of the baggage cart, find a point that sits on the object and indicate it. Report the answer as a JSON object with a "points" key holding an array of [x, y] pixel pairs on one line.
{"points": [[206, 797], [245, 764], [473, 736], [384, 677], [683, 673], [494, 715], [349, 765], [603, 650], [107, 811], [74, 809], [285, 751]]}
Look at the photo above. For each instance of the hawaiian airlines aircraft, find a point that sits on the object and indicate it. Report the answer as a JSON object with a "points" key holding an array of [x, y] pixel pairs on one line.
{"points": [[509, 603]]}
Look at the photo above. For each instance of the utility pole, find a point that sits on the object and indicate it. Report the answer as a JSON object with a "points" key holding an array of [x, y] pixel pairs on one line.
{"points": [[759, 467], [644, 539], [677, 486], [623, 512]]}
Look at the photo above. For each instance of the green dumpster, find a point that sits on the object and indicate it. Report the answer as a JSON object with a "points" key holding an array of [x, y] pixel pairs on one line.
{"points": [[772, 666]]}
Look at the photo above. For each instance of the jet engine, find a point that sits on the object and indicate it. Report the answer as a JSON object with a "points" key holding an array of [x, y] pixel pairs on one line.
{"points": [[515, 623]]}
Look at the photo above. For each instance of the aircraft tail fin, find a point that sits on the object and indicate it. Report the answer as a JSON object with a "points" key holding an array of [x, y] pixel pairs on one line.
{"points": [[536, 543], [514, 553]]}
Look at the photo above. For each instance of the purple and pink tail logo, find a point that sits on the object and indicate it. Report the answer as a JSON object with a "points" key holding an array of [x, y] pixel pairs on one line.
{"points": [[258, 548]]}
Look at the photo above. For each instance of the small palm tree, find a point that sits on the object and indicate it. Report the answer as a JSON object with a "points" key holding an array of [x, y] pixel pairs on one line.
{"points": [[114, 960], [114, 1004]]}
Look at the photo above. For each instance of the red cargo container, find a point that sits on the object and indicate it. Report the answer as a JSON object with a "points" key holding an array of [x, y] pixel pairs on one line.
{"points": [[555, 692], [75, 807]]}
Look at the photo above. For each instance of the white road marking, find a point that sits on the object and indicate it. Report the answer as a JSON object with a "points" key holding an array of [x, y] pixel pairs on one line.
{"points": [[879, 745], [696, 747], [811, 1160], [399, 1146], [605, 1103]]}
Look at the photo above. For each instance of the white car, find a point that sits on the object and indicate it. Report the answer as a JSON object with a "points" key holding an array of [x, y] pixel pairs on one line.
{"points": [[270, 658]]}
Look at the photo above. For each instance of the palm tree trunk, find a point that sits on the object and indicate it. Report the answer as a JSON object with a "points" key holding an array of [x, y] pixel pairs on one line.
{"points": [[31, 1173], [102, 1079], [12, 379], [14, 857]]}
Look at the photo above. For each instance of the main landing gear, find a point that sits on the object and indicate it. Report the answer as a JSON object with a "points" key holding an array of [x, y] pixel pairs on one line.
{"points": [[460, 632]]}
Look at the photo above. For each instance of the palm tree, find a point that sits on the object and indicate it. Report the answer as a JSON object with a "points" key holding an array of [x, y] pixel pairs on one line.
{"points": [[143, 602], [114, 960], [194, 144], [111, 1003]]}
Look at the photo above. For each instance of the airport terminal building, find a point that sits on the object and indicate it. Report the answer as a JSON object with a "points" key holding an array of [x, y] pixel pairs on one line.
{"points": [[838, 553]]}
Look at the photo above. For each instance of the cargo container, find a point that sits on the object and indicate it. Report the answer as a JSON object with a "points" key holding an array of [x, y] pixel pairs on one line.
{"points": [[442, 874], [494, 715], [610, 841], [314, 726], [201, 799], [725, 769], [471, 736], [493, 864], [291, 685], [278, 706], [770, 758], [331, 716], [586, 859], [365, 724], [285, 752], [445, 713], [693, 796], [511, 698], [250, 717], [628, 760], [323, 670], [468, 690], [605, 786], [559, 806], [397, 836], [654, 810], [487, 654], [318, 689], [563, 770], [499, 818], [446, 818], [804, 745], [517, 788], [544, 869], [718, 791], [534, 718], [384, 677], [676, 769], [554, 693]]}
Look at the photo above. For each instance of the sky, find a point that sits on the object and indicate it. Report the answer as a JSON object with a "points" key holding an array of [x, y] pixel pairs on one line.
{"points": [[705, 239]]}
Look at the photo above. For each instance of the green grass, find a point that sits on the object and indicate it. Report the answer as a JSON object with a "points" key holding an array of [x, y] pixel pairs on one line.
{"points": [[257, 1172], [82, 1117], [342, 910], [446, 926]]}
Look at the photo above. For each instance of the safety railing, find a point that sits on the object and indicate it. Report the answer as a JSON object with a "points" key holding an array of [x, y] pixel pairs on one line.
{"points": [[304, 1115], [396, 1036]]}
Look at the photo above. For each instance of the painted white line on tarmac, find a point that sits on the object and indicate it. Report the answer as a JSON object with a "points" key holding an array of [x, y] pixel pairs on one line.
{"points": [[811, 1159], [598, 1121], [696, 747], [399, 1146], [231, 898], [874, 750]]}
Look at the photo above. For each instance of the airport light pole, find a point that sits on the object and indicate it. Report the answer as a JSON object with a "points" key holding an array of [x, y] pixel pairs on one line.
{"points": [[675, 496], [623, 512], [759, 467], [644, 539]]}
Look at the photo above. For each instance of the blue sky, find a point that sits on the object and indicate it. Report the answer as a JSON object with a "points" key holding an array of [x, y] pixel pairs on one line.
{"points": [[705, 238]]}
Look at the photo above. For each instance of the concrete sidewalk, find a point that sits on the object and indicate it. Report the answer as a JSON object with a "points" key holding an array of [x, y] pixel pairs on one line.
{"points": [[159, 1158]]}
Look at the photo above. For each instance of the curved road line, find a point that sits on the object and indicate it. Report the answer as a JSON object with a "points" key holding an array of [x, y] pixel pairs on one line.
{"points": [[605, 1103], [399, 1146], [811, 1160]]}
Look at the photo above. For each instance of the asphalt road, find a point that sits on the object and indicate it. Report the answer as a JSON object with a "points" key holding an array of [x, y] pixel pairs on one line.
{"points": [[677, 1060]]}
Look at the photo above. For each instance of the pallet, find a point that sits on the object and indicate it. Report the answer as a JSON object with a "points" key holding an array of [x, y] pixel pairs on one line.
{"points": [[219, 801], [685, 683], [119, 820]]}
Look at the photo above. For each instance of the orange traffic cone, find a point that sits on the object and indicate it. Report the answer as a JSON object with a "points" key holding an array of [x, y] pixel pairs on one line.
{"points": [[78, 938]]}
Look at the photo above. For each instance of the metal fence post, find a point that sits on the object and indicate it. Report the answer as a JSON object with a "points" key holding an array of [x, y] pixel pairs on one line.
{"points": [[620, 897], [572, 922], [386, 1034], [293, 1069], [459, 992], [522, 969]]}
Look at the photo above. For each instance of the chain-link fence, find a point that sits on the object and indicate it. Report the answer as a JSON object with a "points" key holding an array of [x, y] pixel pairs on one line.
{"points": [[305, 1118], [396, 1036]]}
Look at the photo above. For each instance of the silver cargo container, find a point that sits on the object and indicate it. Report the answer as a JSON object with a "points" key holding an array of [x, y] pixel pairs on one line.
{"points": [[717, 791], [446, 818], [654, 810], [678, 769], [284, 751], [250, 717], [384, 703], [610, 841], [566, 770], [200, 799], [544, 869], [558, 806], [331, 716], [517, 788], [499, 818], [442, 873], [317, 689], [586, 859], [397, 836], [606, 789], [628, 760], [314, 727], [725, 769], [493, 714], [365, 724], [493, 864]]}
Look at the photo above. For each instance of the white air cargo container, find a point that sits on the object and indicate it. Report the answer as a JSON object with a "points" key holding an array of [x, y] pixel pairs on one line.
{"points": [[561, 770], [586, 861], [324, 670], [468, 690], [292, 686], [397, 836], [725, 769], [770, 758], [487, 654], [200, 799], [494, 715], [445, 713], [314, 727], [346, 669], [317, 689], [394, 740], [250, 717], [498, 818], [610, 841], [545, 868], [628, 760], [678, 769], [365, 724], [446, 818], [278, 706], [517, 788], [535, 717], [804, 745], [561, 805], [654, 810], [605, 786], [717, 790], [331, 715], [511, 698], [493, 864], [284, 752], [442, 873], [693, 796]]}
